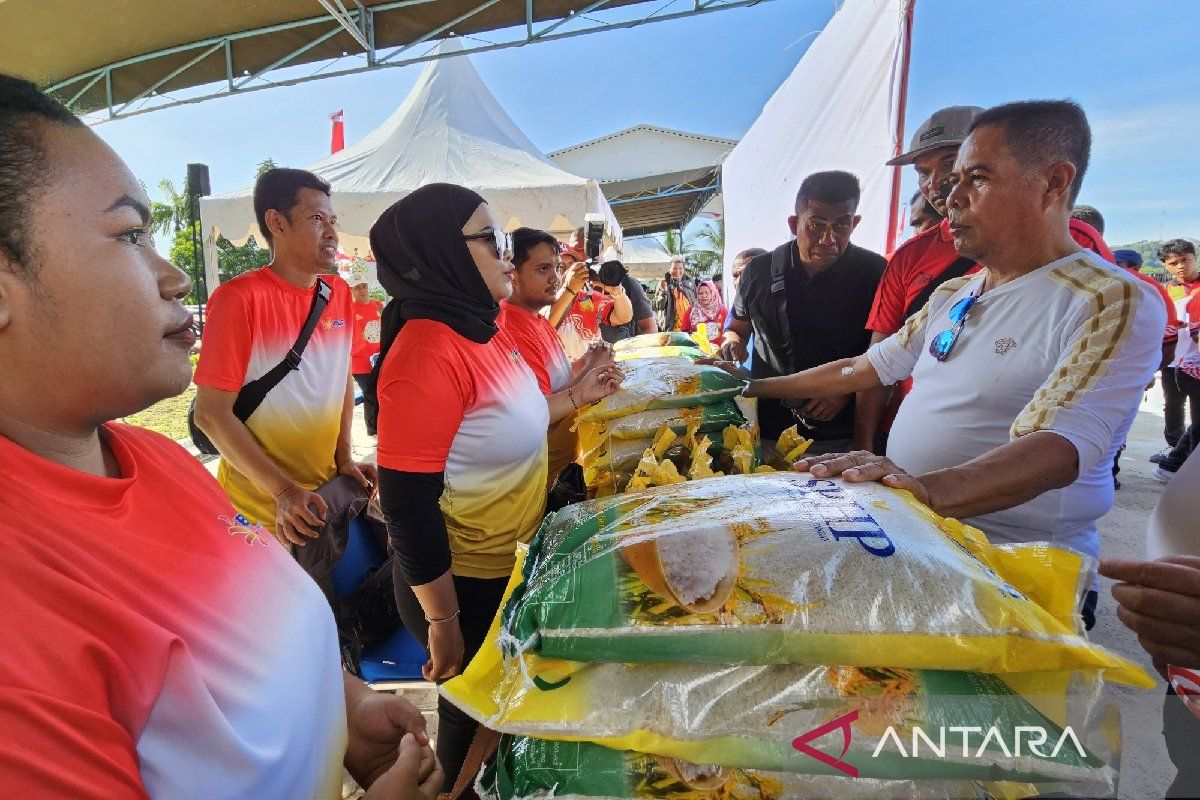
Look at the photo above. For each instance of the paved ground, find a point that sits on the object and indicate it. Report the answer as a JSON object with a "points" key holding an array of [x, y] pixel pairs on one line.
{"points": [[1146, 772]]}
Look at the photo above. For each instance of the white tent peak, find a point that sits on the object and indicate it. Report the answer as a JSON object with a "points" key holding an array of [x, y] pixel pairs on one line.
{"points": [[449, 129]]}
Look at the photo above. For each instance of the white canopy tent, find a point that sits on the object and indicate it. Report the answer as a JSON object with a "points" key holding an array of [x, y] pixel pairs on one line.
{"points": [[450, 129], [839, 109], [644, 257]]}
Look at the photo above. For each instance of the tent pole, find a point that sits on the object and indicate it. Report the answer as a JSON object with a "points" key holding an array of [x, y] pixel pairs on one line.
{"points": [[905, 62]]}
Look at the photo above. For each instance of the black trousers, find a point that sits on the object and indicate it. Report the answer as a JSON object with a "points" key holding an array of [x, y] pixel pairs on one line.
{"points": [[1179, 389], [370, 406], [479, 599], [1188, 389]]}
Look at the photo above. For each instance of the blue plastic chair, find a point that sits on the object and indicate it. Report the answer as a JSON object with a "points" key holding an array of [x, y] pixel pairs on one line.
{"points": [[400, 656]]}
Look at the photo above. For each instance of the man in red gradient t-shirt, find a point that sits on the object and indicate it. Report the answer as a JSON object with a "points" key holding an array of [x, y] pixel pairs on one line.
{"points": [[535, 287], [365, 342]]}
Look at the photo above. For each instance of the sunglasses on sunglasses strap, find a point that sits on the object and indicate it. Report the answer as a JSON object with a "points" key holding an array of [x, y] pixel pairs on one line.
{"points": [[942, 344]]}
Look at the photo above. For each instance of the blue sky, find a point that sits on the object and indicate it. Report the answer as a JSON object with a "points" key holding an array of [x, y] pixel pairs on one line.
{"points": [[1129, 64]]}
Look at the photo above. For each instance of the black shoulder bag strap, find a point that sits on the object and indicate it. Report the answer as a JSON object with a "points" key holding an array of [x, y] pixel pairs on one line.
{"points": [[956, 270], [253, 393]]}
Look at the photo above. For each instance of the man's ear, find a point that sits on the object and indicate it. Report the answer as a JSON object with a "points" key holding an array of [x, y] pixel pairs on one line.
{"points": [[9, 278], [857, 219], [792, 224], [1059, 177], [275, 222]]}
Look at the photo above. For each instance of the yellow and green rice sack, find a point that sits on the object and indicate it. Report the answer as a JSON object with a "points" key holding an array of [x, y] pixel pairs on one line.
{"points": [[896, 720], [783, 568], [663, 339], [664, 383], [540, 769], [692, 353]]}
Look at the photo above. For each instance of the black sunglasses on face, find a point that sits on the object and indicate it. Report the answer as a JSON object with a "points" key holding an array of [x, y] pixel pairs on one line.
{"points": [[498, 239]]}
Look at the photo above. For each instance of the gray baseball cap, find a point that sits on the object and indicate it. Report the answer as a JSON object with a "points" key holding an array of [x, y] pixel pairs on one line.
{"points": [[946, 128]]}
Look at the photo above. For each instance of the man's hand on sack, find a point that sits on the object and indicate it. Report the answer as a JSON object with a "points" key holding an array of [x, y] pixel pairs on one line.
{"points": [[861, 466], [599, 383], [734, 350], [734, 368], [1160, 602], [299, 515]]}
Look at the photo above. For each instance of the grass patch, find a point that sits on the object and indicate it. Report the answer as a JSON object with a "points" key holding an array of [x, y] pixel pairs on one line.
{"points": [[168, 417]]}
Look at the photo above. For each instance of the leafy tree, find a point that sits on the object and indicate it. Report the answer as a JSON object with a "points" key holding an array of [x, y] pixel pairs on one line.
{"points": [[231, 259], [263, 166]]}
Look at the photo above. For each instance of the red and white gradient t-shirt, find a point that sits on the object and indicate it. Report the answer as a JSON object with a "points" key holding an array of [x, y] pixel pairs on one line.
{"points": [[543, 351], [474, 412], [253, 320], [154, 645]]}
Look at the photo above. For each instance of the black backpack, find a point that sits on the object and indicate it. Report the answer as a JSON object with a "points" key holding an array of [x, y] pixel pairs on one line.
{"points": [[253, 393]]}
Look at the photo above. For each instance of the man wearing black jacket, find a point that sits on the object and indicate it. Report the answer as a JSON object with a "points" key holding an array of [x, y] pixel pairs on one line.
{"points": [[807, 304]]}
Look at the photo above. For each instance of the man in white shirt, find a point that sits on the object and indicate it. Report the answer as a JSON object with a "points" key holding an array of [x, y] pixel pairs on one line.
{"points": [[1027, 375]]}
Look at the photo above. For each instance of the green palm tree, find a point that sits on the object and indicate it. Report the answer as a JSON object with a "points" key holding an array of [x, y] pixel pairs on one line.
{"points": [[709, 254], [172, 216]]}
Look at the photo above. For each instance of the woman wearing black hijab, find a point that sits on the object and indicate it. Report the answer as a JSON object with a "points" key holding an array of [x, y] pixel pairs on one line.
{"points": [[462, 429]]}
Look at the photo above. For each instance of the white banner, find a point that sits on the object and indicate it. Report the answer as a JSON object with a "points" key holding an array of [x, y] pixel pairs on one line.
{"points": [[837, 110]]}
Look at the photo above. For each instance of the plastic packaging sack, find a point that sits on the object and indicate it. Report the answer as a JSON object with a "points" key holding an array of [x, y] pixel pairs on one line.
{"points": [[749, 717], [784, 568], [538, 768], [664, 383], [611, 466], [659, 352], [645, 424], [663, 339]]}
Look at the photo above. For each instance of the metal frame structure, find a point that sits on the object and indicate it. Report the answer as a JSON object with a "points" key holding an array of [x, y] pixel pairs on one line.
{"points": [[703, 190], [357, 22]]}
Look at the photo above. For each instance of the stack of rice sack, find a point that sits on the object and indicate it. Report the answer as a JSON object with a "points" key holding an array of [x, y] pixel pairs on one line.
{"points": [[673, 407], [776, 635]]}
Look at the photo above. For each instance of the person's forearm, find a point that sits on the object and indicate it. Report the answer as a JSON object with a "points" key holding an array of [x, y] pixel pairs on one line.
{"points": [[438, 598], [870, 405], [558, 309], [647, 325], [1008, 476], [563, 404], [355, 690], [847, 376], [622, 311], [345, 443], [241, 450]]}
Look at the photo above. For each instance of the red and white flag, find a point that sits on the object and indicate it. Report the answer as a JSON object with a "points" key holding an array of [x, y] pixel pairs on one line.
{"points": [[338, 140]]}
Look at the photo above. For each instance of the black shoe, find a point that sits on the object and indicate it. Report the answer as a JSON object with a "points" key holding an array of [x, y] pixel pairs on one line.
{"points": [[1116, 483]]}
